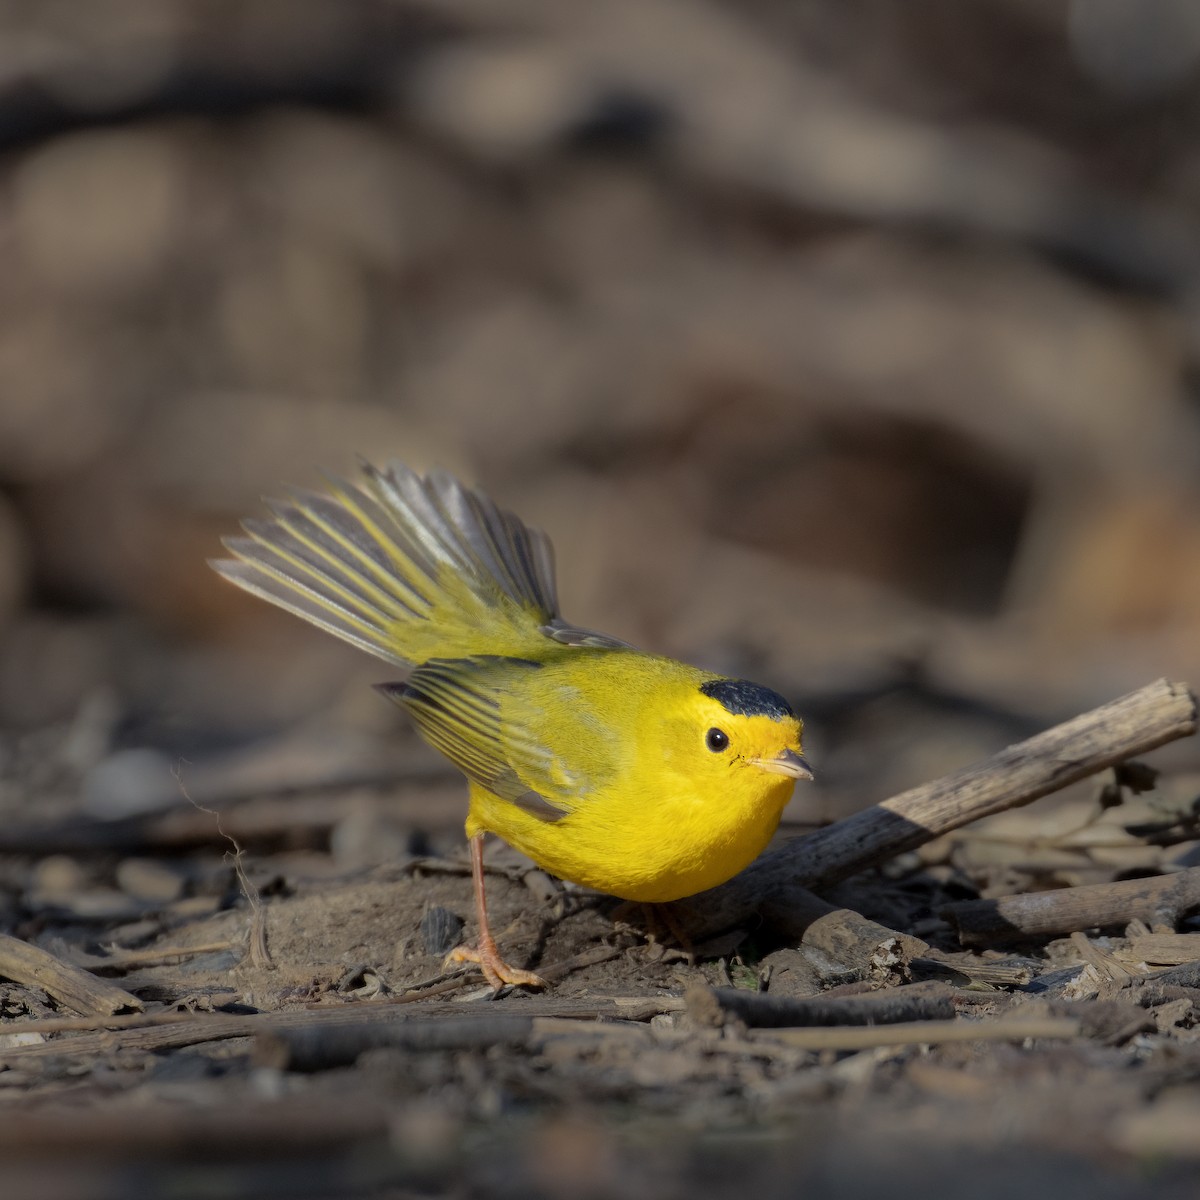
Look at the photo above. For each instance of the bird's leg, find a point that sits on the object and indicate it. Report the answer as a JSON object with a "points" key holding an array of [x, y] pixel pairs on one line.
{"points": [[495, 970], [675, 928]]}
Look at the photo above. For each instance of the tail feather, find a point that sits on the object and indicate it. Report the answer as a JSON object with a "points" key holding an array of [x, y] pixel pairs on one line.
{"points": [[467, 531], [256, 575], [407, 568], [357, 537]]}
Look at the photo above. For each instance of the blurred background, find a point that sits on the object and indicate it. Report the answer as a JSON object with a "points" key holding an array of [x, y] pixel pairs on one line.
{"points": [[850, 346]]}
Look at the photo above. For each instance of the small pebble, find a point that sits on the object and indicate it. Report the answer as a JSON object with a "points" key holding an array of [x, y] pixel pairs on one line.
{"points": [[58, 875], [542, 886], [441, 930], [130, 783], [146, 879]]}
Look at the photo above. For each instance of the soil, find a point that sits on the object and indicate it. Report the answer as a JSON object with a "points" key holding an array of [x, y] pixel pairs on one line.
{"points": [[624, 1087]]}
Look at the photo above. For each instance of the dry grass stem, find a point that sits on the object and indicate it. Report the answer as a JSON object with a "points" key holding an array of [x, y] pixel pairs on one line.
{"points": [[260, 954]]}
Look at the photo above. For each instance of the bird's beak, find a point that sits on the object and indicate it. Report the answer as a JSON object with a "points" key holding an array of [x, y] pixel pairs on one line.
{"points": [[788, 763]]}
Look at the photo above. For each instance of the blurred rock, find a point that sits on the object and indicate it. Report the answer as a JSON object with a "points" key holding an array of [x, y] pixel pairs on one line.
{"points": [[129, 784], [293, 317], [49, 664], [515, 378], [90, 736], [93, 58], [368, 838], [504, 102], [97, 212], [151, 880], [1142, 54], [71, 386], [59, 875], [575, 1155], [218, 453], [355, 188]]}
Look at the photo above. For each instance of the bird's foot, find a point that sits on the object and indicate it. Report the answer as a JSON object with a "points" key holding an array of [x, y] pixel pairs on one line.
{"points": [[495, 970], [676, 929], [657, 920]]}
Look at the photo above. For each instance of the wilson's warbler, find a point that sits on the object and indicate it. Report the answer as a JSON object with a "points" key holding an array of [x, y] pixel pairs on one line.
{"points": [[632, 774]]}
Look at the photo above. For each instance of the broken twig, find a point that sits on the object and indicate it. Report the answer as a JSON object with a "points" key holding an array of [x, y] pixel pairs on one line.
{"points": [[919, 1002], [260, 954], [1069, 910], [70, 985]]}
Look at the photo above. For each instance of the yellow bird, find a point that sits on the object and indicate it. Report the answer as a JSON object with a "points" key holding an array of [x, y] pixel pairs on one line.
{"points": [[622, 771]]}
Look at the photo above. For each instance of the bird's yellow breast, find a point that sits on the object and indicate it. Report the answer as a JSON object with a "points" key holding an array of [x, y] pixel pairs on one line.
{"points": [[630, 799], [648, 835]]}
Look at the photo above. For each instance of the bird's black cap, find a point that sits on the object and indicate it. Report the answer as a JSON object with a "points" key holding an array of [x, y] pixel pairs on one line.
{"points": [[746, 699]]}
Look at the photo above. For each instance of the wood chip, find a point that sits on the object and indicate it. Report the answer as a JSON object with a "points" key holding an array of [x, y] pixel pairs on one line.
{"points": [[1161, 949]]}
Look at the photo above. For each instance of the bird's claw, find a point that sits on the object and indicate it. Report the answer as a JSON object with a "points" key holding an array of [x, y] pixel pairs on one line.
{"points": [[495, 970]]}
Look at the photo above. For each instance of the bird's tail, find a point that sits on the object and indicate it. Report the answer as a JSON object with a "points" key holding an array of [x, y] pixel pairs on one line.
{"points": [[404, 567]]}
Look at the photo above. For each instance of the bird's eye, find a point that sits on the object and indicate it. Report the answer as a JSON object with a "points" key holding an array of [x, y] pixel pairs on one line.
{"points": [[716, 740]]}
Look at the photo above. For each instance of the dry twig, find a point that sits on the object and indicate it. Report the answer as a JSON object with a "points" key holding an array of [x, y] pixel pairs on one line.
{"points": [[1069, 910], [70, 985], [1005, 1029], [918, 1002], [168, 1030], [260, 954]]}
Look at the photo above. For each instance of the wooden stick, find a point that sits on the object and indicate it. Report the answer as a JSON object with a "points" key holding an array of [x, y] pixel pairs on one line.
{"points": [[1069, 910], [919, 1002], [169, 1030], [320, 1047], [138, 1020], [70, 985], [259, 821], [1156, 714], [1005, 1029]]}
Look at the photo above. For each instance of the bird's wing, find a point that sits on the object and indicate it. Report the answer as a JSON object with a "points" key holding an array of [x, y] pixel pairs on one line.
{"points": [[456, 705], [567, 634]]}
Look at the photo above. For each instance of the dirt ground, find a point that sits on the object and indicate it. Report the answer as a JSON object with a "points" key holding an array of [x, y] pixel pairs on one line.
{"points": [[231, 1079]]}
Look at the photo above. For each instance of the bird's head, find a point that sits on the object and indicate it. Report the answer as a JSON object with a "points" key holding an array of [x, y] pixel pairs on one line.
{"points": [[744, 728]]}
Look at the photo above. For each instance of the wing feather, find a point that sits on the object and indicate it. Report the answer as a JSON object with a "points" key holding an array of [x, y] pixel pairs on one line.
{"points": [[456, 704]]}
